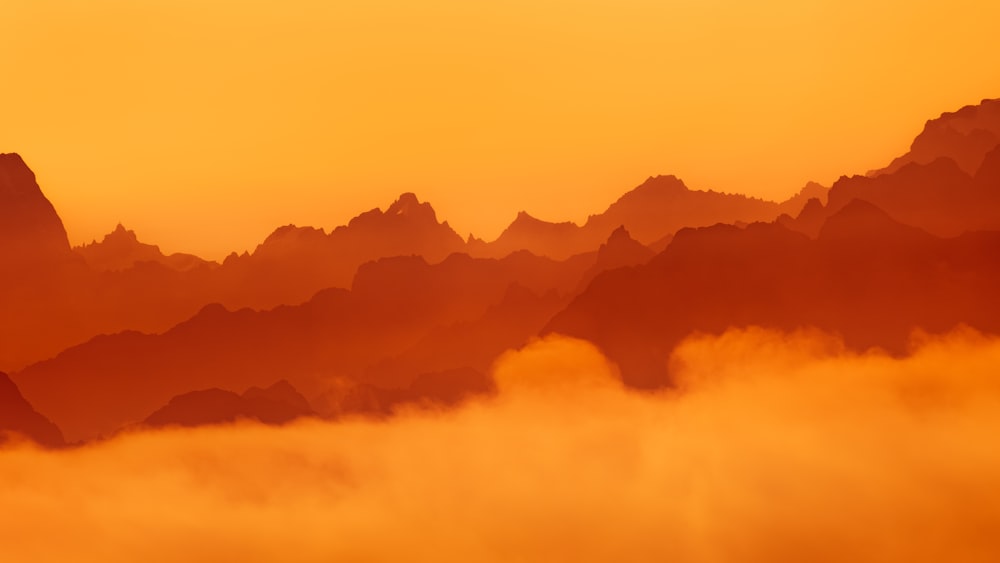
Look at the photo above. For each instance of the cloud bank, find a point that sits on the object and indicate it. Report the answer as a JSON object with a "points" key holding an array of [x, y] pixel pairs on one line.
{"points": [[774, 447]]}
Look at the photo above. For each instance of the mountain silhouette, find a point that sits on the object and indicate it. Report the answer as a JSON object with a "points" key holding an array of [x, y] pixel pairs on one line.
{"points": [[394, 309], [555, 240], [293, 263], [121, 284], [809, 221], [938, 197], [392, 305], [39, 299], [17, 416], [471, 344], [120, 249], [964, 136], [434, 390], [278, 404], [619, 251], [651, 212], [866, 277], [31, 232], [987, 178]]}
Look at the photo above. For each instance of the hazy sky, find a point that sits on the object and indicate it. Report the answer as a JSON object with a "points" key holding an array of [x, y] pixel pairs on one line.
{"points": [[203, 125]]}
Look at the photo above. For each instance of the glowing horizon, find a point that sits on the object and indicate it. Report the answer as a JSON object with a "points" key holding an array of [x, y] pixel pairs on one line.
{"points": [[166, 116]]}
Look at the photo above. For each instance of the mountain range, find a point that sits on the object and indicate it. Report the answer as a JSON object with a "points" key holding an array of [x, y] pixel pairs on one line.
{"points": [[396, 308]]}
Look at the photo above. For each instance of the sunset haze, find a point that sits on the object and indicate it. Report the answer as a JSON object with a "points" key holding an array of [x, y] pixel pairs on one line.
{"points": [[205, 125]]}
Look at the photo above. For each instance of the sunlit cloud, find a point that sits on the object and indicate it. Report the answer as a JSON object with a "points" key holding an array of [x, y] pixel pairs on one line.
{"points": [[775, 447]]}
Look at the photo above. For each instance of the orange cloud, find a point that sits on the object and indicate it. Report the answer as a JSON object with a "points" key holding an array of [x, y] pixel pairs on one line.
{"points": [[777, 447]]}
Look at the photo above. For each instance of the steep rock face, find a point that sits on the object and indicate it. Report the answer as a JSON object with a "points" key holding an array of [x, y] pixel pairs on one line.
{"points": [[964, 136], [18, 416], [30, 229]]}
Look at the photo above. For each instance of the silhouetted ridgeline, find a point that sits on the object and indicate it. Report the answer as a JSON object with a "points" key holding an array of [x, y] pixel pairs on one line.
{"points": [[396, 309]]}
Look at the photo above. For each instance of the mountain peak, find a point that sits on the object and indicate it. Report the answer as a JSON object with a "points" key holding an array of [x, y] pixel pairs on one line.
{"points": [[30, 229], [121, 234], [408, 205], [965, 136], [621, 247], [861, 220], [524, 217], [16, 179], [621, 233], [663, 183]]}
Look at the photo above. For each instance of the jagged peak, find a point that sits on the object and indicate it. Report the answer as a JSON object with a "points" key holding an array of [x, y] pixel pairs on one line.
{"points": [[621, 241], [121, 234], [621, 233], [812, 206], [662, 182], [408, 205]]}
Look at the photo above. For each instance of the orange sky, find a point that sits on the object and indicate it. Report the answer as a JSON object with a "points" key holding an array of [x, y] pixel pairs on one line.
{"points": [[205, 124]]}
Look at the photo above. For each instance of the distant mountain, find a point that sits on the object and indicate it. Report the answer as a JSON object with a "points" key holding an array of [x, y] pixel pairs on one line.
{"points": [[99, 386], [938, 197], [122, 284], [30, 230], [555, 240], [987, 178], [121, 250], [964, 136], [293, 263], [39, 297], [619, 251], [17, 416], [470, 344], [511, 323], [434, 390], [399, 307], [651, 212], [663, 204], [865, 276], [277, 404]]}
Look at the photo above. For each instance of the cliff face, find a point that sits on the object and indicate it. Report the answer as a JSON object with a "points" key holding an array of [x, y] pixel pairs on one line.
{"points": [[30, 229]]}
